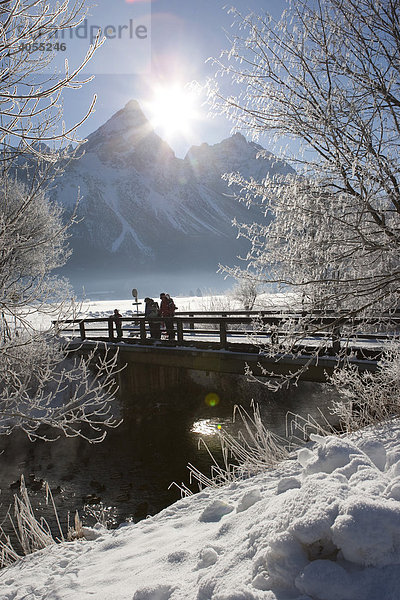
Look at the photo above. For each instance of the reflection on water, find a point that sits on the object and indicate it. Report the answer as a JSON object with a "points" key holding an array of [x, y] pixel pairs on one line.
{"points": [[211, 426], [131, 472]]}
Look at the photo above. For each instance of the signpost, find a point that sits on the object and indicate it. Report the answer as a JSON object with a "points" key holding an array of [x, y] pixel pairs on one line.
{"points": [[136, 303]]}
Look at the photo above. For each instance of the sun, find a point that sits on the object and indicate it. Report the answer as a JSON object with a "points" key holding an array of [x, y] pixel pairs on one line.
{"points": [[173, 109]]}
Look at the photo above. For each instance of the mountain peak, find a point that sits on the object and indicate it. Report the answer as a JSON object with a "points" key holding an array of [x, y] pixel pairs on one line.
{"points": [[234, 153], [239, 142], [132, 105], [234, 143], [129, 117], [126, 130], [237, 136]]}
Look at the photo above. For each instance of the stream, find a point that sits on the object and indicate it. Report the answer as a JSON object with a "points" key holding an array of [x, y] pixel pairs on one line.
{"points": [[128, 476]]}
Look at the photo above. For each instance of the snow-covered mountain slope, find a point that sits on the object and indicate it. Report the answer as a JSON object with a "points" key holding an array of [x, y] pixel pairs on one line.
{"points": [[141, 203]]}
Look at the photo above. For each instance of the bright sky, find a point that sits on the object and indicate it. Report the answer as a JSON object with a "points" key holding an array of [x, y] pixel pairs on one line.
{"points": [[155, 48]]}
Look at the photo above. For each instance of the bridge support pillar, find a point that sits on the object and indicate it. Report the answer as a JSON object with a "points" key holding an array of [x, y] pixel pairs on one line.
{"points": [[143, 379]]}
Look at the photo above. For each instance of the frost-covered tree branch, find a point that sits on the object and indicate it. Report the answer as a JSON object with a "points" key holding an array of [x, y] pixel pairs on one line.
{"points": [[47, 393], [326, 76], [30, 99]]}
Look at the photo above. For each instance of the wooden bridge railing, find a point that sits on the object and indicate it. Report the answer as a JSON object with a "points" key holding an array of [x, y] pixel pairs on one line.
{"points": [[222, 325]]}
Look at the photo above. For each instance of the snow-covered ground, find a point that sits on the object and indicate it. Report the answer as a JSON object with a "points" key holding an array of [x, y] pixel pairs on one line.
{"points": [[127, 308], [99, 308], [324, 525]]}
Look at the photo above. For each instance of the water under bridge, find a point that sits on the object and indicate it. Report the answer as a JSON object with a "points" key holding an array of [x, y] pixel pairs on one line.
{"points": [[231, 341]]}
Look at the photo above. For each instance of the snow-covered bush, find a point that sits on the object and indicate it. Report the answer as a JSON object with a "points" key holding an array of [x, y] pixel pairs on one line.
{"points": [[211, 301], [367, 398], [33, 242]]}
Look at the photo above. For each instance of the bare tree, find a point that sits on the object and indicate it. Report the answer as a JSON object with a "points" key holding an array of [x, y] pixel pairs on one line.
{"points": [[44, 390], [246, 292], [326, 76]]}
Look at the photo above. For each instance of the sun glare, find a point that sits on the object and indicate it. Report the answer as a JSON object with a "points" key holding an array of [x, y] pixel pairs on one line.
{"points": [[173, 109]]}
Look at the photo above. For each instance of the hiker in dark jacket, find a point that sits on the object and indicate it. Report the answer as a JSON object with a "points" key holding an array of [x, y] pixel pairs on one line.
{"points": [[117, 319], [151, 311], [167, 311]]}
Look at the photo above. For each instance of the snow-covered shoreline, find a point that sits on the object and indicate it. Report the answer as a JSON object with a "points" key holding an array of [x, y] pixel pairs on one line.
{"points": [[324, 525]]}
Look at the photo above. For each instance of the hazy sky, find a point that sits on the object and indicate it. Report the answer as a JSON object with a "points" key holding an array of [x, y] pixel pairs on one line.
{"points": [[153, 44]]}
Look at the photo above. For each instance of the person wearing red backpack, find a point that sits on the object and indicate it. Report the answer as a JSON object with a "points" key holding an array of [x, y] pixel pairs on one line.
{"points": [[167, 311]]}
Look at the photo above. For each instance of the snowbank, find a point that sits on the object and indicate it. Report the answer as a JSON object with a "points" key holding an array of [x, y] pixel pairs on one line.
{"points": [[324, 525]]}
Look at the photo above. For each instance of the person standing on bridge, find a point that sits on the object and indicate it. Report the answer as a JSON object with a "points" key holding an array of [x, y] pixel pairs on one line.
{"points": [[151, 311], [167, 312], [117, 319]]}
